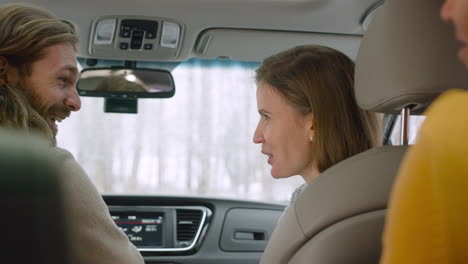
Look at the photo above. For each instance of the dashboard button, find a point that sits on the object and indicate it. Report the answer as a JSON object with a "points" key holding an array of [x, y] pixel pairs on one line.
{"points": [[150, 35], [123, 45], [148, 46], [138, 34], [125, 33]]}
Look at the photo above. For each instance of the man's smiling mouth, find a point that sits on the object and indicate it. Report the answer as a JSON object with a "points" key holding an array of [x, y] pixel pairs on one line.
{"points": [[53, 119]]}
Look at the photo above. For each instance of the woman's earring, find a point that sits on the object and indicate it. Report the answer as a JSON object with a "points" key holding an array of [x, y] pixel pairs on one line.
{"points": [[311, 133]]}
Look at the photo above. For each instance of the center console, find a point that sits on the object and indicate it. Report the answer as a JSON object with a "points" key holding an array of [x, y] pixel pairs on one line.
{"points": [[162, 229]]}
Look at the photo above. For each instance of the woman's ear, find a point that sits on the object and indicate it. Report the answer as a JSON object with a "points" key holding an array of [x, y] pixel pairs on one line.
{"points": [[309, 118]]}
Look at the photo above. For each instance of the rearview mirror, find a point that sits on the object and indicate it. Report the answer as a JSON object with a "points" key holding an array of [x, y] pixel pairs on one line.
{"points": [[126, 83]]}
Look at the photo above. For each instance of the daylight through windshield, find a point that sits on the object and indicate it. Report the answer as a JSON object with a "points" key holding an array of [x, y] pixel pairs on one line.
{"points": [[197, 143]]}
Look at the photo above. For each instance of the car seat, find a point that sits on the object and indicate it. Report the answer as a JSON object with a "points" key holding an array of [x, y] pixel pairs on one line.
{"points": [[406, 59], [32, 221]]}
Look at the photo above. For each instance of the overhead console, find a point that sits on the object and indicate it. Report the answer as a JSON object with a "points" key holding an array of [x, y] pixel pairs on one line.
{"points": [[135, 38]]}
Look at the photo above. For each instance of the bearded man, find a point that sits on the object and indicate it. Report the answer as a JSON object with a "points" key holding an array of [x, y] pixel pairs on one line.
{"points": [[38, 74]]}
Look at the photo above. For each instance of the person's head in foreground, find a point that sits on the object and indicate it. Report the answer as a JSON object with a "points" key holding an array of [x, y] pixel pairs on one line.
{"points": [[456, 12]]}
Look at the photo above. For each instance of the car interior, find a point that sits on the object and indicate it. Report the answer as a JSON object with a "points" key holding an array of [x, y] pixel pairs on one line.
{"points": [[348, 204], [404, 56]]}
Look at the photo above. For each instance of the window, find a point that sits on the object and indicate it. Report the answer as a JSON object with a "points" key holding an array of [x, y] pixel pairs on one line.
{"points": [[198, 143], [415, 123]]}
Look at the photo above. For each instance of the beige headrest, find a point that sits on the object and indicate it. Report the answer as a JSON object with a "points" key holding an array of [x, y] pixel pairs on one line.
{"points": [[408, 56]]}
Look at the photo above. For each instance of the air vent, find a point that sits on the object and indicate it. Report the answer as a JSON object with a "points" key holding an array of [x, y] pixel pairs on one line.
{"points": [[188, 223]]}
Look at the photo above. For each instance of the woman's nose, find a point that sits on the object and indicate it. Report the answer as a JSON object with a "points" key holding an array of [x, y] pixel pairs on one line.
{"points": [[258, 135]]}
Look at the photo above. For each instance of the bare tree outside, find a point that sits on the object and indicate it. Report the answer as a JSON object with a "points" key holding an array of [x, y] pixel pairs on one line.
{"points": [[198, 143]]}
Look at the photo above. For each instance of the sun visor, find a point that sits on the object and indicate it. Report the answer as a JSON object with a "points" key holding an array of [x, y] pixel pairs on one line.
{"points": [[408, 56], [255, 45]]}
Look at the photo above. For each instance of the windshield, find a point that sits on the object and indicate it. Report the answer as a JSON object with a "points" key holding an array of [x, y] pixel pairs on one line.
{"points": [[198, 143]]}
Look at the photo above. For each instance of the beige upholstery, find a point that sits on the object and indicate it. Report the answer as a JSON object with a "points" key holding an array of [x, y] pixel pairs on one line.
{"points": [[407, 56], [338, 244], [32, 223], [346, 201]]}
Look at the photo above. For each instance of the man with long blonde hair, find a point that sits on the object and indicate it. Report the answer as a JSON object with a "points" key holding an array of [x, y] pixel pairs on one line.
{"points": [[38, 74]]}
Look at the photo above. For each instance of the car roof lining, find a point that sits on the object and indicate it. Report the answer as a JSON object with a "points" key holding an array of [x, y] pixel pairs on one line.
{"points": [[309, 17]]}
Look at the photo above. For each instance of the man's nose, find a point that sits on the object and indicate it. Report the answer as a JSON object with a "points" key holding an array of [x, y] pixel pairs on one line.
{"points": [[73, 101]]}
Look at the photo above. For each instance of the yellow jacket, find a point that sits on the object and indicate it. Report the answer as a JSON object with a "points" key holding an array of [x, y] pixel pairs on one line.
{"points": [[427, 220]]}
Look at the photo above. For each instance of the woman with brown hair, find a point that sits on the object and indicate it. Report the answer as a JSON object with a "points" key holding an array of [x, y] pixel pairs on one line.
{"points": [[309, 116]]}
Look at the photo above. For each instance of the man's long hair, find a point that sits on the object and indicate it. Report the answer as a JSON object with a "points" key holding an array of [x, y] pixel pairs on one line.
{"points": [[17, 113], [26, 31]]}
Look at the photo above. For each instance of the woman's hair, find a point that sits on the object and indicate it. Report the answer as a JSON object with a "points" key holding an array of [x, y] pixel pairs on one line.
{"points": [[320, 80], [17, 113], [26, 30]]}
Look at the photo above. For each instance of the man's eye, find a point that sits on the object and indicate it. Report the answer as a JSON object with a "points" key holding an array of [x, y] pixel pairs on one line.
{"points": [[265, 116], [62, 81]]}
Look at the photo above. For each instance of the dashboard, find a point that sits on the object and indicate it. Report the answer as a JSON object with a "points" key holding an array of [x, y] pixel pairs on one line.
{"points": [[195, 230]]}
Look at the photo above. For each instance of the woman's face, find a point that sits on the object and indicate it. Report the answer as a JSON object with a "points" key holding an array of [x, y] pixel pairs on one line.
{"points": [[284, 134], [456, 11]]}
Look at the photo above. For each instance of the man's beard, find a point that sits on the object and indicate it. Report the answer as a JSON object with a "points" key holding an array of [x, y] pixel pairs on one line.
{"points": [[41, 107]]}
